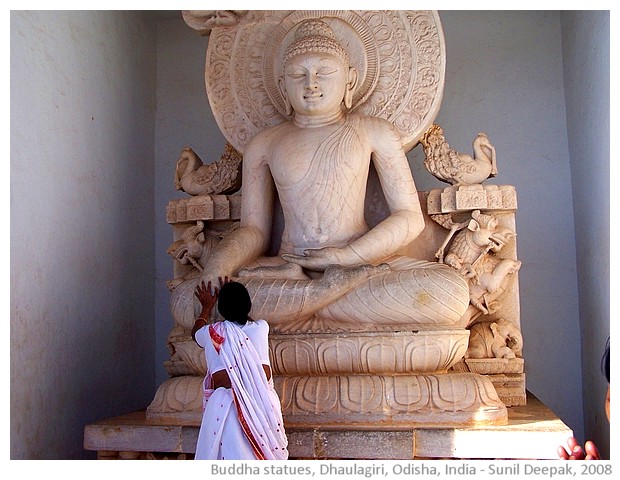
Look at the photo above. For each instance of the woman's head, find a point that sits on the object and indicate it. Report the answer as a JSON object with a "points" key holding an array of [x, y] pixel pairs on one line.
{"points": [[605, 361], [234, 302], [606, 371]]}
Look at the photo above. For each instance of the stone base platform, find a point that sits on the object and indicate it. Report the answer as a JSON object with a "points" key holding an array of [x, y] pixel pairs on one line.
{"points": [[532, 432]]}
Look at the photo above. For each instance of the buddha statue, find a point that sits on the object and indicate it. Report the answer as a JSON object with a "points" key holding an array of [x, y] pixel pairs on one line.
{"points": [[354, 315], [332, 271]]}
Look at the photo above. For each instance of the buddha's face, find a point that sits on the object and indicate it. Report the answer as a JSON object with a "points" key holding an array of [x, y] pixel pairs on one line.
{"points": [[315, 83]]}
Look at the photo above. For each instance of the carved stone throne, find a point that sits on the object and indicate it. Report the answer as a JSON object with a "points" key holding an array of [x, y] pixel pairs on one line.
{"points": [[356, 379]]}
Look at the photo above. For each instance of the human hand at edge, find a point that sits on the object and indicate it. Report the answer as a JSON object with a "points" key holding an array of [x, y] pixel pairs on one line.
{"points": [[576, 452]]}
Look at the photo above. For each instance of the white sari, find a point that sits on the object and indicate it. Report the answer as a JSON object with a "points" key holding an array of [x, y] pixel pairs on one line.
{"points": [[244, 421]]}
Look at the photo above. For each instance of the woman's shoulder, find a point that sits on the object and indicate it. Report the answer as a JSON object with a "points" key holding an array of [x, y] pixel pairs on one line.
{"points": [[257, 325]]}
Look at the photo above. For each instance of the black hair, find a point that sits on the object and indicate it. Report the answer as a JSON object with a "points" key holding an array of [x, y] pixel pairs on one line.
{"points": [[234, 302], [605, 361]]}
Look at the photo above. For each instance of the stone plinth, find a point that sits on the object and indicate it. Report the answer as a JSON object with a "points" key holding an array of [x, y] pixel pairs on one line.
{"points": [[532, 432], [386, 353], [369, 401], [380, 378], [362, 379]]}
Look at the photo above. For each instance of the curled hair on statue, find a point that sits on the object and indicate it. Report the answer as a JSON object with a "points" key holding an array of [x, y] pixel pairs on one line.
{"points": [[315, 36], [234, 302]]}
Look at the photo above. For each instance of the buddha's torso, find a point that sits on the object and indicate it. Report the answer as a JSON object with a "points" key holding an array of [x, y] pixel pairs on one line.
{"points": [[320, 174]]}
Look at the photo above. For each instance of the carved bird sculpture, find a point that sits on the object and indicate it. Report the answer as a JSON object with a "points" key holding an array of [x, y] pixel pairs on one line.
{"points": [[221, 177], [456, 168]]}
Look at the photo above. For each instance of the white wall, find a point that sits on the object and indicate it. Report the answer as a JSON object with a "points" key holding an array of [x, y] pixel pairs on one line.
{"points": [[82, 297], [585, 39]]}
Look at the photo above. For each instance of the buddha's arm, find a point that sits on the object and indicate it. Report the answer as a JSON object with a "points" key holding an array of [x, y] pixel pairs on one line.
{"points": [[234, 251], [406, 221], [393, 233], [252, 238]]}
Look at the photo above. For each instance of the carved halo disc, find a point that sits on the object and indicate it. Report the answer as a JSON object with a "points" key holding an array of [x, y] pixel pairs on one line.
{"points": [[400, 57]]}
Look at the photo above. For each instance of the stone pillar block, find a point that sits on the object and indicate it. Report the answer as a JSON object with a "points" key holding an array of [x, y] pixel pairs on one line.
{"points": [[200, 208]]}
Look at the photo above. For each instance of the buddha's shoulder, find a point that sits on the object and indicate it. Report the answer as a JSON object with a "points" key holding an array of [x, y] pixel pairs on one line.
{"points": [[267, 135], [370, 121], [376, 129]]}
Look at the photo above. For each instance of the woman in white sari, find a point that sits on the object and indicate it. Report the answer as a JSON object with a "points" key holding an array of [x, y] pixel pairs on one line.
{"points": [[242, 417]]}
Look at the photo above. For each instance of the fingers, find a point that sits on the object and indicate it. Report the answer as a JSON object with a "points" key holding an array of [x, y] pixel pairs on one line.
{"points": [[592, 452], [572, 443], [198, 290], [574, 452], [201, 289], [578, 454], [298, 259]]}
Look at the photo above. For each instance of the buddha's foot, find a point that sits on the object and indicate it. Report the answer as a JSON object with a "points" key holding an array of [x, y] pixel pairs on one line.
{"points": [[287, 271], [348, 277]]}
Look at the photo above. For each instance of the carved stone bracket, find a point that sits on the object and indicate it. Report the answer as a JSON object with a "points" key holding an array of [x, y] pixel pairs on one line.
{"points": [[204, 207], [472, 197]]}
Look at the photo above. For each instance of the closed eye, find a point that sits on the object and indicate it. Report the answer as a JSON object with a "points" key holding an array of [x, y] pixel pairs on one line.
{"points": [[326, 71]]}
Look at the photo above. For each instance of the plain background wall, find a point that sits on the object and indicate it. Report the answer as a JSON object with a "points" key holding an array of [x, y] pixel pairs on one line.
{"points": [[506, 75], [82, 225], [586, 83], [183, 119]]}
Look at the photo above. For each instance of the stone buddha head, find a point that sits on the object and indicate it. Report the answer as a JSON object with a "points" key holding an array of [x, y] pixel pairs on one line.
{"points": [[317, 77]]}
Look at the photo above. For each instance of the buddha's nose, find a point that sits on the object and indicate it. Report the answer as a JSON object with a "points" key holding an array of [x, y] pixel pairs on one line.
{"points": [[312, 83]]}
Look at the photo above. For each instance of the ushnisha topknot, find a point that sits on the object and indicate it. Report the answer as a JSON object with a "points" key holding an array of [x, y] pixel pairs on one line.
{"points": [[315, 36]]}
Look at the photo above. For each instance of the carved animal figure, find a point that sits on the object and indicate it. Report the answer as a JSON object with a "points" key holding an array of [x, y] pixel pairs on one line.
{"points": [[499, 339], [446, 221], [223, 177], [194, 247], [451, 166], [471, 254]]}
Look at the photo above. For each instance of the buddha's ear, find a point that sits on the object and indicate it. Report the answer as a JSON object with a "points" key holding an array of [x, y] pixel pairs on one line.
{"points": [[350, 88], [287, 104]]}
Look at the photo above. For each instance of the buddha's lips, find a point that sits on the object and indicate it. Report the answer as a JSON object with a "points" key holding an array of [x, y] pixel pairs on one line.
{"points": [[311, 96]]}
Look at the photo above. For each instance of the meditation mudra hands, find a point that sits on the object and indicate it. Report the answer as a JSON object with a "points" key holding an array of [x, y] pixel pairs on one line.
{"points": [[319, 259]]}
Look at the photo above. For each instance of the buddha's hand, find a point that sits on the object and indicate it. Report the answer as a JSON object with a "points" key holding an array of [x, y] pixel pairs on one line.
{"points": [[318, 259]]}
